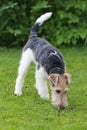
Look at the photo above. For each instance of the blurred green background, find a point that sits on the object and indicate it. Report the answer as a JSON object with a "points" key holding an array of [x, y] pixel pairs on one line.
{"points": [[68, 25]]}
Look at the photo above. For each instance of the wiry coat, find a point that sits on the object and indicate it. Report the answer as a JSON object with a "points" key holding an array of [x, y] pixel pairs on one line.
{"points": [[45, 54], [49, 64]]}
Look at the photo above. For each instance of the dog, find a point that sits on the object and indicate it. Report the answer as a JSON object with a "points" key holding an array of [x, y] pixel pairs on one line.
{"points": [[49, 64]]}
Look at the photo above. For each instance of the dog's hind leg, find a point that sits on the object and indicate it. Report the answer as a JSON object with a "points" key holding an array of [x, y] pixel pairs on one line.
{"points": [[26, 59], [41, 84]]}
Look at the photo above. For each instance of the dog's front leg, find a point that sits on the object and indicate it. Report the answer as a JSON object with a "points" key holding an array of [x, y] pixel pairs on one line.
{"points": [[41, 84]]}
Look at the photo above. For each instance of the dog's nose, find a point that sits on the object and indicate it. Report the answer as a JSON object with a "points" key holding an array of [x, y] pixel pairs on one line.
{"points": [[62, 107]]}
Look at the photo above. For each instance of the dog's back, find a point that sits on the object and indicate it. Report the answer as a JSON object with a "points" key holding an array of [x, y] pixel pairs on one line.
{"points": [[45, 54]]}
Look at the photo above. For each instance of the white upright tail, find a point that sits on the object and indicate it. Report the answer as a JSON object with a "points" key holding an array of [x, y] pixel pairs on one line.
{"points": [[43, 18], [39, 22]]}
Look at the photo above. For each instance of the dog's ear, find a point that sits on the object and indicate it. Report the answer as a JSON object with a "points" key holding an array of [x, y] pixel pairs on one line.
{"points": [[68, 77], [53, 78]]}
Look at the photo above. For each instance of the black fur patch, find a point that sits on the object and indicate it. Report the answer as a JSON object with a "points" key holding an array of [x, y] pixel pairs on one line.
{"points": [[45, 54]]}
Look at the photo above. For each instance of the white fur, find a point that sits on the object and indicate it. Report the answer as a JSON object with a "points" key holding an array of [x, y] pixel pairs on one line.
{"points": [[55, 98], [54, 54], [43, 18], [41, 84], [26, 59]]}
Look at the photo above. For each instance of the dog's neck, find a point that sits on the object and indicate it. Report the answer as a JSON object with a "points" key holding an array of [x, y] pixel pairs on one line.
{"points": [[57, 70]]}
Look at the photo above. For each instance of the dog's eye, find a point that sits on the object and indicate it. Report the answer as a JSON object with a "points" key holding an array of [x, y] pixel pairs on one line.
{"points": [[65, 91], [58, 91]]}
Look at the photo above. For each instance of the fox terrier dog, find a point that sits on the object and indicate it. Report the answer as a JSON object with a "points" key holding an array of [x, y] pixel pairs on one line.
{"points": [[49, 64]]}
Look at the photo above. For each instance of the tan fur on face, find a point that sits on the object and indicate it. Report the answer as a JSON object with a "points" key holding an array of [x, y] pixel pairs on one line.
{"points": [[59, 88]]}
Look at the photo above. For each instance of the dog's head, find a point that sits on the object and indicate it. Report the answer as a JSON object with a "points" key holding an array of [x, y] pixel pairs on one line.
{"points": [[58, 84]]}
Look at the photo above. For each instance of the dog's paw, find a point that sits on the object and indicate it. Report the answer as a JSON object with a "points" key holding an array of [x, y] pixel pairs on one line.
{"points": [[45, 96], [17, 93]]}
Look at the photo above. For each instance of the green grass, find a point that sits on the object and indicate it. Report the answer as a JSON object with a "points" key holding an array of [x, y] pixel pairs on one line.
{"points": [[29, 111]]}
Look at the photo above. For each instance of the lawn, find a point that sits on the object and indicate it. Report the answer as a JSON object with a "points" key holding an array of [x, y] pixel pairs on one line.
{"points": [[29, 111]]}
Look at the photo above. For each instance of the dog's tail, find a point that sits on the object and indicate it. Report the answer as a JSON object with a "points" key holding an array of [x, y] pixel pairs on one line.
{"points": [[39, 22]]}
